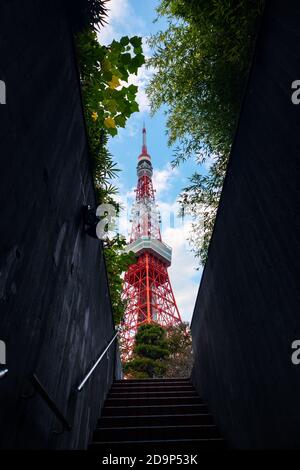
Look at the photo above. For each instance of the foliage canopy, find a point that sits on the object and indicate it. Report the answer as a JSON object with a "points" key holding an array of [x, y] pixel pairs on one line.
{"points": [[108, 102], [180, 360], [149, 354], [161, 352], [117, 261], [201, 63]]}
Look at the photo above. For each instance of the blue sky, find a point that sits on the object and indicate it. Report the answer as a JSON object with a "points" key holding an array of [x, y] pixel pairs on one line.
{"points": [[135, 17]]}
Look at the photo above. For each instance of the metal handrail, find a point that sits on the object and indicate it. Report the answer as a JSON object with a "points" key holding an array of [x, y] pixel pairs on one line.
{"points": [[3, 372], [82, 383], [37, 386]]}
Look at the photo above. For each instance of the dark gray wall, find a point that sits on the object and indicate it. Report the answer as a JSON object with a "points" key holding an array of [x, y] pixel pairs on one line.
{"points": [[248, 307], [55, 309]]}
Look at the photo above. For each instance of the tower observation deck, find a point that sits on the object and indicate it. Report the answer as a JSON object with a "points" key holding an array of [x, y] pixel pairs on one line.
{"points": [[147, 288]]}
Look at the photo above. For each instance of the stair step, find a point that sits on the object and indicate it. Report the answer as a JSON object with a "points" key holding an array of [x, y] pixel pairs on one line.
{"points": [[145, 433], [153, 382], [146, 388], [162, 379], [128, 401], [155, 420], [155, 416], [142, 409], [154, 394], [178, 446]]}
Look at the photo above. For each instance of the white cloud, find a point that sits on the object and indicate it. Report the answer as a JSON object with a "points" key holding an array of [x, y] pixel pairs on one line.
{"points": [[183, 275], [121, 21], [133, 128], [141, 80], [162, 179], [209, 161], [175, 232], [118, 12]]}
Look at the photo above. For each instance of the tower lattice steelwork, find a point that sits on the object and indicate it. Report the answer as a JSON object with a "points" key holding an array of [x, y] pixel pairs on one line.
{"points": [[147, 287]]}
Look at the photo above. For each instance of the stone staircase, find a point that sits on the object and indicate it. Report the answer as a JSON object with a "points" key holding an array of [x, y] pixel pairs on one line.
{"points": [[158, 416]]}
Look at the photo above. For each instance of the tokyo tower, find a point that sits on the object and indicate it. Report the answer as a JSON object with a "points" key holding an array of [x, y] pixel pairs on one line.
{"points": [[147, 288]]}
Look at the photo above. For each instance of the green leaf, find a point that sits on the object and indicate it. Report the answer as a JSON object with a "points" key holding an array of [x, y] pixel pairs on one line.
{"points": [[134, 107], [133, 89], [107, 76], [125, 58], [120, 120], [112, 131], [111, 105], [115, 47], [138, 50], [124, 40], [136, 41]]}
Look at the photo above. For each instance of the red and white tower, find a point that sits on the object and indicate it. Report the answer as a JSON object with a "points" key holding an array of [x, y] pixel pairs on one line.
{"points": [[147, 287]]}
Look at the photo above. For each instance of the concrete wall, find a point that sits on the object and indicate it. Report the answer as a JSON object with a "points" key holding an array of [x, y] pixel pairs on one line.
{"points": [[55, 308], [248, 307]]}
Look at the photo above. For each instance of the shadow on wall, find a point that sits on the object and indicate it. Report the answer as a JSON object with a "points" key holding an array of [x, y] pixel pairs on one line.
{"points": [[247, 311], [56, 314]]}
